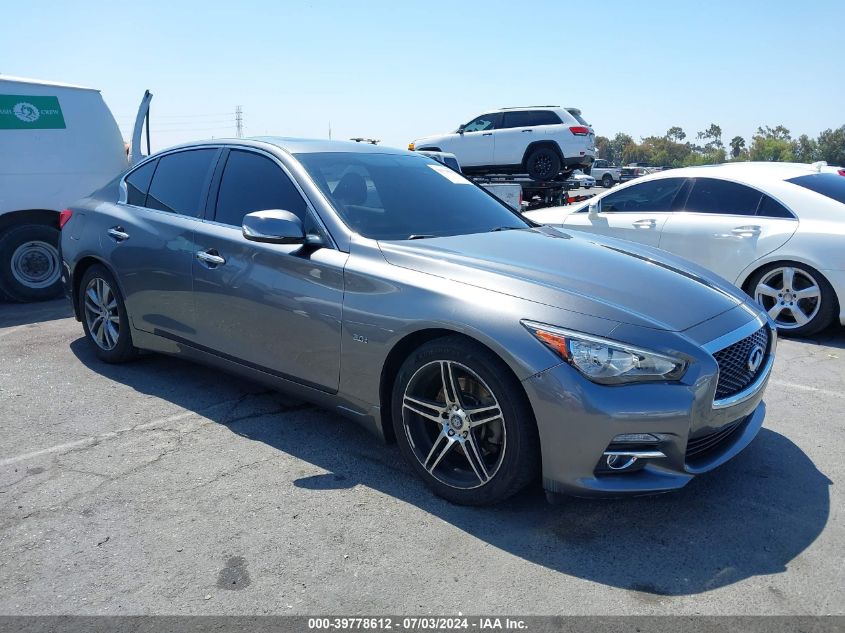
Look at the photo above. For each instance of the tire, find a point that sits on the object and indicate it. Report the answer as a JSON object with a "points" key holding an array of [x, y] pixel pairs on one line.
{"points": [[502, 451], [810, 311], [30, 265], [542, 163], [109, 346], [607, 181]]}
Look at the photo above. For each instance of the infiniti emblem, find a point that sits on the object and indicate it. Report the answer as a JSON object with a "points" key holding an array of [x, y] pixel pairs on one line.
{"points": [[755, 358]]}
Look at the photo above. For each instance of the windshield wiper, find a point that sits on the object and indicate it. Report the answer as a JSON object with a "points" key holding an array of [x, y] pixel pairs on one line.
{"points": [[420, 236], [506, 228]]}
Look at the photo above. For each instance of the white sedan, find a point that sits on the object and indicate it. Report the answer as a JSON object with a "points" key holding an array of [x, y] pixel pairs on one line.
{"points": [[776, 230]]}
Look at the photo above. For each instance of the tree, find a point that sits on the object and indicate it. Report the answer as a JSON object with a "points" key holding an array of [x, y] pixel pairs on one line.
{"points": [[831, 146], [714, 134], [617, 147], [603, 147], [737, 145], [772, 144], [675, 133], [779, 133], [806, 149]]}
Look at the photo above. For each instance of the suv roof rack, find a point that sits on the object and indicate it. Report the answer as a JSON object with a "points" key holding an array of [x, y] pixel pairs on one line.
{"points": [[524, 107]]}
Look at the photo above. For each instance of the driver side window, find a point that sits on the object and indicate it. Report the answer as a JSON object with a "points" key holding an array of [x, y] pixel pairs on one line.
{"points": [[482, 123], [654, 195]]}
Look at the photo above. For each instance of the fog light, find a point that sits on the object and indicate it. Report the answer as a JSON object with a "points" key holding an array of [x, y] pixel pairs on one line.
{"points": [[620, 462], [642, 438]]}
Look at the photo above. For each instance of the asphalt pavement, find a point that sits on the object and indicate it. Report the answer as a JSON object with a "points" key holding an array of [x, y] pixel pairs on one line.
{"points": [[163, 487]]}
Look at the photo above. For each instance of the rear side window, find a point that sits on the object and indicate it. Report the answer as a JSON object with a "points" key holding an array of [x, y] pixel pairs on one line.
{"points": [[577, 116], [773, 209], [138, 183], [828, 184], [254, 183], [180, 182], [710, 195], [654, 195], [526, 118]]}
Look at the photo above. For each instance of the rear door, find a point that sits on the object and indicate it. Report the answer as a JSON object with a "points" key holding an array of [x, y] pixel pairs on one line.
{"points": [[275, 307], [519, 129], [475, 147], [636, 213], [150, 239], [725, 226]]}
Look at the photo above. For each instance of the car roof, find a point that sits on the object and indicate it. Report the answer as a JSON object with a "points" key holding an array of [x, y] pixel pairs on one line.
{"points": [[540, 107], [299, 145], [42, 82], [745, 171]]}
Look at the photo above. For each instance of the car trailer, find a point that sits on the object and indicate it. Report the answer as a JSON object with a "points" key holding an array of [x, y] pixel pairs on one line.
{"points": [[536, 194]]}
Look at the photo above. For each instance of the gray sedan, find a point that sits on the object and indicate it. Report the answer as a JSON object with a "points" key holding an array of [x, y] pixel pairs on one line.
{"points": [[387, 287]]}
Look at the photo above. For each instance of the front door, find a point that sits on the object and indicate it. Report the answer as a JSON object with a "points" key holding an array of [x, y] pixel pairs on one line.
{"points": [[274, 307], [636, 213], [476, 145]]}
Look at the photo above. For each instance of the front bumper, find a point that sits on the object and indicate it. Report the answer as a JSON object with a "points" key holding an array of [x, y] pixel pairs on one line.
{"points": [[578, 421]]}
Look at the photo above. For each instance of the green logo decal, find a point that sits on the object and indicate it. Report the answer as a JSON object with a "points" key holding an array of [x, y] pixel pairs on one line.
{"points": [[22, 112]]}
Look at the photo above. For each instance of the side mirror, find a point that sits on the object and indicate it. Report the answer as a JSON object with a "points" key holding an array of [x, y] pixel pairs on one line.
{"points": [[461, 129], [273, 226], [593, 210]]}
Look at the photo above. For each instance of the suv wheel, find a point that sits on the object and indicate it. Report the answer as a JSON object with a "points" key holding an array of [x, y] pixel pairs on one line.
{"points": [[463, 422], [542, 163]]}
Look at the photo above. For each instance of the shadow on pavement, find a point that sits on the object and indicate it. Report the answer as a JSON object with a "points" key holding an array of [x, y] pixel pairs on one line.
{"points": [[750, 517], [14, 314], [831, 336]]}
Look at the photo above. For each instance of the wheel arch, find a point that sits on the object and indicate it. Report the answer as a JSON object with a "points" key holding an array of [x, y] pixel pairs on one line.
{"points": [[45, 217], [402, 349], [538, 144], [78, 272]]}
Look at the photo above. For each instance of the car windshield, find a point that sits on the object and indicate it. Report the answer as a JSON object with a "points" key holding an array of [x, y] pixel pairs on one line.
{"points": [[400, 196], [827, 184]]}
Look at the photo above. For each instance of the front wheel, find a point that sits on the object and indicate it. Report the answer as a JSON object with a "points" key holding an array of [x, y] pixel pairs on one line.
{"points": [[30, 268], [797, 297], [543, 164], [463, 423], [104, 317]]}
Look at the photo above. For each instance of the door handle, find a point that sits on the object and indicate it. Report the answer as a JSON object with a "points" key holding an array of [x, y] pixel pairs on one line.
{"points": [[648, 223], [528, 130], [751, 230], [117, 233], [210, 257], [487, 134]]}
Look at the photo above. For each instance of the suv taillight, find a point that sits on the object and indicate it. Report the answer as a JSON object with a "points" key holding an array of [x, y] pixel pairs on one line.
{"points": [[579, 130], [64, 216]]}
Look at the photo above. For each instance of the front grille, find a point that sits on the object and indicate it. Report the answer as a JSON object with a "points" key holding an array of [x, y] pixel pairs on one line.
{"points": [[699, 445], [734, 373]]}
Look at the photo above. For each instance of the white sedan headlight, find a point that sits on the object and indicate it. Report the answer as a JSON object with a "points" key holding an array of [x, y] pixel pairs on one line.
{"points": [[605, 361]]}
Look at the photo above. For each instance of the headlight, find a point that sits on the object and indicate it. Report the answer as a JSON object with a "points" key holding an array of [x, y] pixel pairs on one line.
{"points": [[605, 361]]}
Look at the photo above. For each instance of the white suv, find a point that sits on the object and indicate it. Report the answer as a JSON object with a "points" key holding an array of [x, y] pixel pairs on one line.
{"points": [[542, 141]]}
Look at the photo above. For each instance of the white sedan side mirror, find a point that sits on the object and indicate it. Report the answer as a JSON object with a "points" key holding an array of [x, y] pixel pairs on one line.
{"points": [[593, 210]]}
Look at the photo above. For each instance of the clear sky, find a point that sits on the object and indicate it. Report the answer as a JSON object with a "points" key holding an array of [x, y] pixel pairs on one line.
{"points": [[396, 70]]}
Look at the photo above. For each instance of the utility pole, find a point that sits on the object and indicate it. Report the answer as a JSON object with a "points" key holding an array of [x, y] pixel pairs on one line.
{"points": [[239, 122], [330, 130]]}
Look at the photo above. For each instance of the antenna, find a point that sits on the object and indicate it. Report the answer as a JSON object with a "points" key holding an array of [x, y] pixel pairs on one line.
{"points": [[239, 122]]}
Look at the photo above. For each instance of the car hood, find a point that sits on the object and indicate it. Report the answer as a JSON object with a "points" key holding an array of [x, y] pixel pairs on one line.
{"points": [[584, 273]]}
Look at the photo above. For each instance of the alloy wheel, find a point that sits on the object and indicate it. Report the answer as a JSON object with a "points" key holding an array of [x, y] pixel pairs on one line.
{"points": [[790, 295], [101, 314], [454, 424]]}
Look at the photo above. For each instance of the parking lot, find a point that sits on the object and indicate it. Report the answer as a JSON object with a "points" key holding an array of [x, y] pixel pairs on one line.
{"points": [[162, 487]]}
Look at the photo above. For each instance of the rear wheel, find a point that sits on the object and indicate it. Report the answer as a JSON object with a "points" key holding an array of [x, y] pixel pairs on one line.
{"points": [[607, 181], [104, 317], [463, 422], [543, 163], [30, 267], [797, 297]]}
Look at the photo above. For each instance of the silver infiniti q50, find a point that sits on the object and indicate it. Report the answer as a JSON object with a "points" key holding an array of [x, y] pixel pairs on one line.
{"points": [[382, 285]]}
